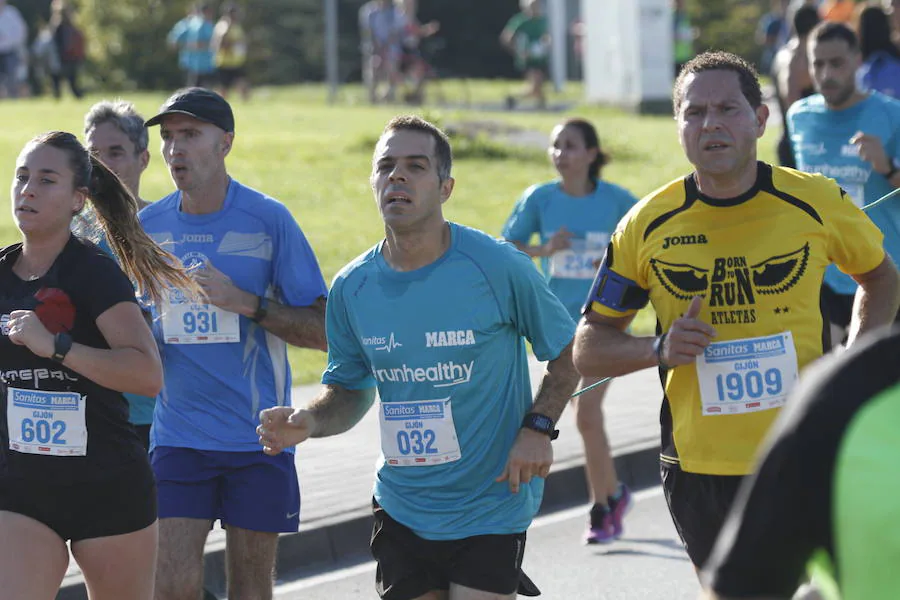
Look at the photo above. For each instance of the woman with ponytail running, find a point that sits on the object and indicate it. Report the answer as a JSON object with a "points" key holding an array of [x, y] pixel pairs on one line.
{"points": [[574, 217], [73, 339]]}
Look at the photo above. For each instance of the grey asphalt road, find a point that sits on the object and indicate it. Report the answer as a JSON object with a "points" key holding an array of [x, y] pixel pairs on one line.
{"points": [[648, 562]]}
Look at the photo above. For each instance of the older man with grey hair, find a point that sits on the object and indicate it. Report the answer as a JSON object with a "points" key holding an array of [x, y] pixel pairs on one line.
{"points": [[115, 133]]}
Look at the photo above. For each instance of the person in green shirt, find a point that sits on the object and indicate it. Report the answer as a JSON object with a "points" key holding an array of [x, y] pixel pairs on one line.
{"points": [[823, 502], [684, 35], [526, 35]]}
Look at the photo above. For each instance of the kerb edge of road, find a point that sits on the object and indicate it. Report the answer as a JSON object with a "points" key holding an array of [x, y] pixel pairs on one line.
{"points": [[348, 537]]}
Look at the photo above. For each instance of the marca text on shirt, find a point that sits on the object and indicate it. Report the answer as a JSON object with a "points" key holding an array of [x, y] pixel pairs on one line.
{"points": [[460, 337]]}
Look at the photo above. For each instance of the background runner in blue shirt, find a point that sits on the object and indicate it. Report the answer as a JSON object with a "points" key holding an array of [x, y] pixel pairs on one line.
{"points": [[114, 132], [435, 318], [574, 217], [224, 360], [852, 137]]}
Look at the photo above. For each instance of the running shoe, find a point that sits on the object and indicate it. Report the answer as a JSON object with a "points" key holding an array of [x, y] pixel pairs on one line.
{"points": [[618, 508], [600, 529]]}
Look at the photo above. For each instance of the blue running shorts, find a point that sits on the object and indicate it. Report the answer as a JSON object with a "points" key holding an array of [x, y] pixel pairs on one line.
{"points": [[245, 489]]}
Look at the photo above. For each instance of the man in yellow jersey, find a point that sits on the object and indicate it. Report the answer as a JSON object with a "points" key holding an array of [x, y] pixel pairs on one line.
{"points": [[229, 44], [732, 258]]}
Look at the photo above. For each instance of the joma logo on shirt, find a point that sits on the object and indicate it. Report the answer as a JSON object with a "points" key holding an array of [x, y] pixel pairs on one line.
{"points": [[203, 238], [449, 338], [684, 240]]}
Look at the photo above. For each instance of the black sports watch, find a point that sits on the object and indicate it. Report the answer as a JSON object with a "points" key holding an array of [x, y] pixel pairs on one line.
{"points": [[540, 423], [62, 343], [262, 309]]}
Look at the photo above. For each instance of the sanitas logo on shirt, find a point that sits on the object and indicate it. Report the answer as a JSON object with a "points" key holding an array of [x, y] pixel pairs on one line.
{"points": [[438, 339], [382, 343], [441, 374]]}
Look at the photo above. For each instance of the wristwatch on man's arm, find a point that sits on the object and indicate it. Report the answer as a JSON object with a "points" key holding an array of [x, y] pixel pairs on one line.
{"points": [[540, 423]]}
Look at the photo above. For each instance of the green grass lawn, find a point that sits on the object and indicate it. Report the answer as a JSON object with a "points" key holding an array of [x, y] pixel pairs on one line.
{"points": [[316, 158]]}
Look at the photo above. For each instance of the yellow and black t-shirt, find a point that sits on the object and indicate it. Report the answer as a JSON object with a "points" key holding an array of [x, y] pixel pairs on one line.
{"points": [[758, 261]]}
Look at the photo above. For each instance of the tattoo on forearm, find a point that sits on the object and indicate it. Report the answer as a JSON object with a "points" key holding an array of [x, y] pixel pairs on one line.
{"points": [[557, 386], [338, 409]]}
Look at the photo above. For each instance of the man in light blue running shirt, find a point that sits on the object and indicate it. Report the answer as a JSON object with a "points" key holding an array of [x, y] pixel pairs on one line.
{"points": [[225, 358], [852, 137], [435, 317]]}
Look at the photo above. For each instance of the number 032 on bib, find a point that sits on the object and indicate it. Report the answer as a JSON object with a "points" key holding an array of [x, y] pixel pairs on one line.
{"points": [[418, 433]]}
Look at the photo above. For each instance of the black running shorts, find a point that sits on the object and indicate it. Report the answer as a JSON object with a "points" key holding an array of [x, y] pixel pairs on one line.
{"points": [[698, 505], [123, 503], [410, 566]]}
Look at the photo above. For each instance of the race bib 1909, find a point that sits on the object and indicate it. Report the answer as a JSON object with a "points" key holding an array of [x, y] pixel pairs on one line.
{"points": [[50, 423], [749, 375], [419, 433]]}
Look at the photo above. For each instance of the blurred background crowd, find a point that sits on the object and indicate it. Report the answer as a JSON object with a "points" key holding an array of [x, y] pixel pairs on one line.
{"points": [[395, 46]]}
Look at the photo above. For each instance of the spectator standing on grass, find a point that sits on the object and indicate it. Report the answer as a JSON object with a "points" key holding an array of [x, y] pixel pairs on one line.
{"points": [[70, 47], [684, 35], [44, 58], [385, 30], [13, 35], [192, 37], [230, 45], [526, 35], [412, 64]]}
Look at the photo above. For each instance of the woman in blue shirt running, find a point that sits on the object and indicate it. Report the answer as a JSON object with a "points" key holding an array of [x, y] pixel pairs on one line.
{"points": [[574, 217]]}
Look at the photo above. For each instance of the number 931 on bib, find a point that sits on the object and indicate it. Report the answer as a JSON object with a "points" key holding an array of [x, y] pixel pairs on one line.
{"points": [[193, 323], [418, 433], [748, 375]]}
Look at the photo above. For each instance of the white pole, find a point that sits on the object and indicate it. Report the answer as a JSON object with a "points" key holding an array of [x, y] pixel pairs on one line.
{"points": [[331, 48], [558, 24]]}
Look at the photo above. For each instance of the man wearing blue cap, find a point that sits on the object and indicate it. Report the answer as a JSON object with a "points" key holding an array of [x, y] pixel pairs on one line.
{"points": [[225, 358]]}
